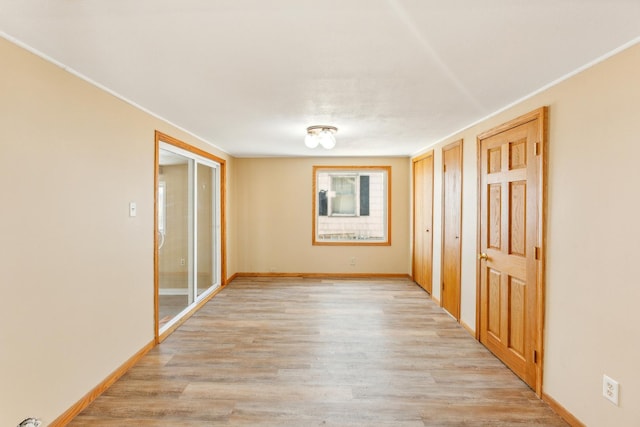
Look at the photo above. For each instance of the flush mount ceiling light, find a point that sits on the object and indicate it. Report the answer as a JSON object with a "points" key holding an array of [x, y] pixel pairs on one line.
{"points": [[322, 135]]}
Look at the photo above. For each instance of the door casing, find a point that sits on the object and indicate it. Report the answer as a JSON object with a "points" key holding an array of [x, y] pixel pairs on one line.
{"points": [[164, 138]]}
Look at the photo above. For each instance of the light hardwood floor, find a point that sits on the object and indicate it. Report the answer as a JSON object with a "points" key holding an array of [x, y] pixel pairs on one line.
{"points": [[311, 352]]}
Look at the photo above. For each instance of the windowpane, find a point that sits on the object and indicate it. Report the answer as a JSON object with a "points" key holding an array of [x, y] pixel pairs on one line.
{"points": [[343, 195], [351, 205]]}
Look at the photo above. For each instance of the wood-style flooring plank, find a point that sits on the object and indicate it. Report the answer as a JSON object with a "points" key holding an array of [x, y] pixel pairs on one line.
{"points": [[313, 352]]}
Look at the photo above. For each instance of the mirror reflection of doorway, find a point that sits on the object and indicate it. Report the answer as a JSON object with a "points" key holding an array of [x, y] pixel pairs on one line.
{"points": [[188, 238]]}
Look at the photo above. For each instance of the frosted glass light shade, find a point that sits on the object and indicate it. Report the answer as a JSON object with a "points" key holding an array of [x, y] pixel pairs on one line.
{"points": [[311, 140], [321, 135], [327, 140]]}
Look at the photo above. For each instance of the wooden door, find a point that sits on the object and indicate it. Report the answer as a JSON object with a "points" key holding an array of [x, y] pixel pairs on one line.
{"points": [[451, 227], [511, 244], [423, 221]]}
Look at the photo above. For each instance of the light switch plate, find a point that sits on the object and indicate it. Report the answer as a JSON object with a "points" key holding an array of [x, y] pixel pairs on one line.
{"points": [[132, 209]]}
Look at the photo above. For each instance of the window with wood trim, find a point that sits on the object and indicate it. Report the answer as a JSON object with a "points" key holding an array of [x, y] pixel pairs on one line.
{"points": [[351, 205]]}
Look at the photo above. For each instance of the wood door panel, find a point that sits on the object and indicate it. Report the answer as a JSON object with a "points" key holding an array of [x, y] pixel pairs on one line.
{"points": [[494, 221], [423, 222], [493, 305], [495, 160], [517, 217], [427, 233], [518, 154], [511, 173], [516, 315], [451, 227], [418, 218]]}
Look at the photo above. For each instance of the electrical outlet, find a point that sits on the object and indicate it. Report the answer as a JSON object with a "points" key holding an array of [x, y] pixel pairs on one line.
{"points": [[610, 389], [181, 261], [353, 261]]}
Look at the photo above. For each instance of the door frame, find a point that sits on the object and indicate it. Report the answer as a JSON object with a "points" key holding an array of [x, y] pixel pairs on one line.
{"points": [[160, 138], [413, 248], [541, 114]]}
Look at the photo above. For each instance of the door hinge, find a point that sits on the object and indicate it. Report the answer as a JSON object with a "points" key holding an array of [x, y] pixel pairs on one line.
{"points": [[538, 252], [537, 148], [444, 168], [535, 356]]}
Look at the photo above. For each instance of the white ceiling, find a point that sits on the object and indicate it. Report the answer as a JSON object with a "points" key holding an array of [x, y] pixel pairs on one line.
{"points": [[394, 76]]}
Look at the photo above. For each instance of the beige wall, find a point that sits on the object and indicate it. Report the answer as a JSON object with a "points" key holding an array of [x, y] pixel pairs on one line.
{"points": [[274, 209], [76, 272], [593, 285]]}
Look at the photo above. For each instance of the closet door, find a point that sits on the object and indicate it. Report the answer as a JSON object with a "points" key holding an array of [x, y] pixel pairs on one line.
{"points": [[423, 221], [451, 227]]}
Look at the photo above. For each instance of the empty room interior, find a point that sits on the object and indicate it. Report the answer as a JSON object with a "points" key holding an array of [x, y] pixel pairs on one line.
{"points": [[404, 182]]}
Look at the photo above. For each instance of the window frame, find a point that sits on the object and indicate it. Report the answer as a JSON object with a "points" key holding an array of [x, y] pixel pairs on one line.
{"points": [[356, 171]]}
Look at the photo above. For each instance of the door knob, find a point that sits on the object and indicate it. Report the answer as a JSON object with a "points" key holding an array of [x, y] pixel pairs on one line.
{"points": [[483, 256]]}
